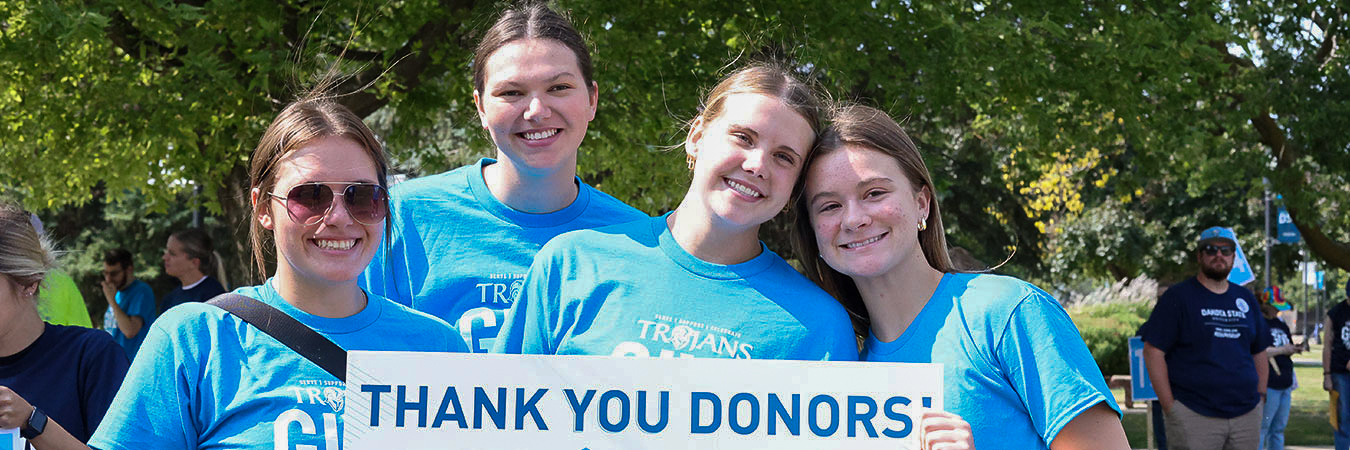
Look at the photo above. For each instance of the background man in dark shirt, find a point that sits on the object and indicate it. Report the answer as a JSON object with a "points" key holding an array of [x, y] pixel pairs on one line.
{"points": [[1335, 359], [1204, 346]]}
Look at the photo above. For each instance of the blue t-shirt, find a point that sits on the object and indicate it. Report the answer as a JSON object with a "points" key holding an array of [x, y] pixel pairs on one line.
{"points": [[1014, 365], [70, 373], [136, 300], [214, 381], [458, 253], [1209, 340], [1281, 371], [204, 290], [631, 290]]}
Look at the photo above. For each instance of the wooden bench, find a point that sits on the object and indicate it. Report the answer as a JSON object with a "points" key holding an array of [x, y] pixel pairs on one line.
{"points": [[1122, 381]]}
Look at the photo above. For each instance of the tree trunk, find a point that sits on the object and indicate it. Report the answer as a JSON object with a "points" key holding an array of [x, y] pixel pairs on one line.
{"points": [[235, 205], [1331, 251]]}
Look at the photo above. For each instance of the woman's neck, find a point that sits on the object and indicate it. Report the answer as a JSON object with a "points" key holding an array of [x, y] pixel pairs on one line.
{"points": [[699, 235], [191, 278], [532, 193], [320, 298], [25, 330], [894, 299]]}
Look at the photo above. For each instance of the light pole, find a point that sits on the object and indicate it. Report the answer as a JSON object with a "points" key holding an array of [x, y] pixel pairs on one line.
{"points": [[1265, 237]]}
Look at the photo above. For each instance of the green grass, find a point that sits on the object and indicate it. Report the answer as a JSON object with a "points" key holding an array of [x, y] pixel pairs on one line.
{"points": [[1308, 417]]}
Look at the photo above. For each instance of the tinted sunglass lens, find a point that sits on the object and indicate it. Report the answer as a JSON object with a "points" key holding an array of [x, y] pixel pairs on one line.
{"points": [[365, 202], [307, 203]]}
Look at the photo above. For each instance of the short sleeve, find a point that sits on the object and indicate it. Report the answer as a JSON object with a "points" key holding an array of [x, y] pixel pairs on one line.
{"points": [[531, 317], [1049, 366], [143, 305], [1163, 326], [102, 371], [151, 409]]}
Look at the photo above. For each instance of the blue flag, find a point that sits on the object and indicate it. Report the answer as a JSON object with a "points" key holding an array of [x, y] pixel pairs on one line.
{"points": [[1286, 232], [1242, 271]]}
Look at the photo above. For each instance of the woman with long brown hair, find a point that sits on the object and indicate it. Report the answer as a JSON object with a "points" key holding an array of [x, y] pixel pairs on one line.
{"points": [[211, 380], [869, 232]]}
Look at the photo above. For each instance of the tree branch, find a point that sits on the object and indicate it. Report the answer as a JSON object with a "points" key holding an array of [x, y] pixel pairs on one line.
{"points": [[1333, 252], [408, 63], [127, 37], [1328, 45], [354, 54]]}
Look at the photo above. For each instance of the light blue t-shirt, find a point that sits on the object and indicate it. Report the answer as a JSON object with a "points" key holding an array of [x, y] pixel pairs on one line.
{"points": [[1014, 365], [137, 300], [631, 290], [459, 254], [211, 380]]}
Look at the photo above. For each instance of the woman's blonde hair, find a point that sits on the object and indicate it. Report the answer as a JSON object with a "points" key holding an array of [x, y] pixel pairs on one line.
{"points": [[769, 80], [25, 255]]}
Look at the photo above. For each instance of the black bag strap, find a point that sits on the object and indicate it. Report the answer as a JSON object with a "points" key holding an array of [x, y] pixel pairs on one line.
{"points": [[285, 329]]}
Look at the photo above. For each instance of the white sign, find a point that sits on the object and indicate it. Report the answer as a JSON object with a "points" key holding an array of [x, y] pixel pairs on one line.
{"points": [[430, 400], [10, 440]]}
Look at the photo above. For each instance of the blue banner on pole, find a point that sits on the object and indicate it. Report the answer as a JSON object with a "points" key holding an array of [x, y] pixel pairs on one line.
{"points": [[1142, 388], [1242, 271], [1285, 231]]}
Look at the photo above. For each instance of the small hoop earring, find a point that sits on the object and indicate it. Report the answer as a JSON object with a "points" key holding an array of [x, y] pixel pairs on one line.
{"points": [[689, 161]]}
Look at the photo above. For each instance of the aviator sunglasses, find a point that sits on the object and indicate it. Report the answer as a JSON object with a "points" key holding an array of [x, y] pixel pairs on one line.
{"points": [[1212, 250], [309, 203]]}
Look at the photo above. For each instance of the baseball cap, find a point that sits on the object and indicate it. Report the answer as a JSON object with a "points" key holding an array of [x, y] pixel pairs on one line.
{"points": [[1218, 233]]}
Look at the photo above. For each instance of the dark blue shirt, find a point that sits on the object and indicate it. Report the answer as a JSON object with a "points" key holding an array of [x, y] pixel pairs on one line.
{"points": [[1340, 337], [1209, 340], [203, 291], [1282, 368], [70, 373]]}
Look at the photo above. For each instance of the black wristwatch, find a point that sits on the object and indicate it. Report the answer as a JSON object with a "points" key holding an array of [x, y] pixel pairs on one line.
{"points": [[37, 422]]}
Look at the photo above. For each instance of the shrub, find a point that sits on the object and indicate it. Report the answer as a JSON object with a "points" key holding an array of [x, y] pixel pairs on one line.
{"points": [[1107, 318]]}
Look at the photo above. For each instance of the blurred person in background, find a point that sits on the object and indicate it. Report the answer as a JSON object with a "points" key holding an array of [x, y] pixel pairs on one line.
{"points": [[188, 256], [56, 381], [1336, 364], [59, 300], [131, 303]]}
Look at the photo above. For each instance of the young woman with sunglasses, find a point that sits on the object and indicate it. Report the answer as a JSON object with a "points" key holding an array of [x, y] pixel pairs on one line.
{"points": [[464, 239], [214, 381], [869, 232]]}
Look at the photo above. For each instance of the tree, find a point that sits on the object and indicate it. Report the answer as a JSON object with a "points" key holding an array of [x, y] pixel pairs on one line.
{"points": [[1037, 119], [161, 98]]}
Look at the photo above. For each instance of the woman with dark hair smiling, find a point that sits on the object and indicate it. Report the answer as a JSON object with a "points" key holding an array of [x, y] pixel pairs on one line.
{"points": [[463, 240]]}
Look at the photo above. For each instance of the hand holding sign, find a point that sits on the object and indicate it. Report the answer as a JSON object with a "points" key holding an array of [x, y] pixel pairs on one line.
{"points": [[944, 430], [14, 410]]}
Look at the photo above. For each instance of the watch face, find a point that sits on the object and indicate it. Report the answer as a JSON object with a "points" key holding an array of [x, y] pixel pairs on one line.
{"points": [[37, 423]]}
